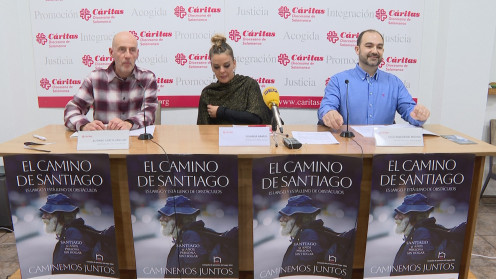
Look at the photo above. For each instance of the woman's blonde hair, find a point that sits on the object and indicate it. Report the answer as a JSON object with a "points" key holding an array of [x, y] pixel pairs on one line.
{"points": [[219, 46]]}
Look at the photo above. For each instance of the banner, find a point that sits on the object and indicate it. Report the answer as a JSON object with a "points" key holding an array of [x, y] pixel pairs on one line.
{"points": [[305, 211], [295, 46], [63, 215], [418, 213], [184, 211]]}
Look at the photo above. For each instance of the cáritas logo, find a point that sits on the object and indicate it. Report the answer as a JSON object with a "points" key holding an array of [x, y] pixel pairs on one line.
{"points": [[284, 59], [332, 37], [99, 14], [250, 35], [55, 39], [196, 13], [45, 84], [59, 85], [398, 64], [161, 80], [299, 12], [383, 62], [344, 39], [284, 12], [98, 60], [85, 14], [150, 34], [180, 12], [87, 60], [381, 14], [264, 80], [41, 39], [193, 60], [401, 60], [396, 16], [234, 35], [181, 59]]}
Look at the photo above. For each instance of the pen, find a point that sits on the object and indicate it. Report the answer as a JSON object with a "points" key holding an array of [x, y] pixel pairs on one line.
{"points": [[39, 137], [37, 149]]}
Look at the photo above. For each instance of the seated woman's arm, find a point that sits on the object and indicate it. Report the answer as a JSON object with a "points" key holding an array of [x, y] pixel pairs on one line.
{"points": [[238, 117]]}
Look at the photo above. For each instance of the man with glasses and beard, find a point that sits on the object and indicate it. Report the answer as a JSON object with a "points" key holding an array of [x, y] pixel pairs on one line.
{"points": [[74, 247], [367, 95], [298, 220], [413, 222], [190, 249]]}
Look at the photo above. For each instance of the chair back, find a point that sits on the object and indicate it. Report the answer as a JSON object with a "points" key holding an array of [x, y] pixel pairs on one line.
{"points": [[492, 167], [492, 131], [158, 114], [492, 140]]}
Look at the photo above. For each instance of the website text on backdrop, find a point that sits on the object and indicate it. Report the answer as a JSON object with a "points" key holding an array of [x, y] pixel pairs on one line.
{"points": [[234, 98], [374, 95], [123, 96]]}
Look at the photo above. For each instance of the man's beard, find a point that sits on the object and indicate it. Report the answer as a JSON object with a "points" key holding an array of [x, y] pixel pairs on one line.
{"points": [[169, 228], [51, 225], [402, 225], [289, 228], [365, 60]]}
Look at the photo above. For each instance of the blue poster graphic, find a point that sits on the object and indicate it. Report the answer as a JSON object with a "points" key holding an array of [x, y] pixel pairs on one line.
{"points": [[63, 215], [184, 211], [305, 211], [418, 214]]}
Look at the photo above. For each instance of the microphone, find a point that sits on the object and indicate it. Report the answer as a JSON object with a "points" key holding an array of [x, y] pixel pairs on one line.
{"points": [[145, 135], [271, 99], [347, 133]]}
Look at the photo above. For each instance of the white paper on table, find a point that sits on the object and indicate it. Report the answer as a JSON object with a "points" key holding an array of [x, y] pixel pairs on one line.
{"points": [[396, 136], [368, 130], [244, 136], [103, 140], [149, 129], [314, 137]]}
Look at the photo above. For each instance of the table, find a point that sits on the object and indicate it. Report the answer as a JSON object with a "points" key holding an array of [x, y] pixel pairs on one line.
{"points": [[193, 139]]}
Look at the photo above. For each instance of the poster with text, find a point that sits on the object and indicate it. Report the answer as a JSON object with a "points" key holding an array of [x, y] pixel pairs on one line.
{"points": [[418, 214], [63, 215], [305, 211], [184, 215]]}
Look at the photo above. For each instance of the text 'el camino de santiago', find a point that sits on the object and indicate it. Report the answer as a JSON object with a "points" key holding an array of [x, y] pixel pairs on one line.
{"points": [[53, 172], [184, 174], [306, 177], [439, 175]]}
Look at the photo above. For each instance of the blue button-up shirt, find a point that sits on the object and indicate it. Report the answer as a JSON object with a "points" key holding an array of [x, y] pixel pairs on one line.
{"points": [[372, 100]]}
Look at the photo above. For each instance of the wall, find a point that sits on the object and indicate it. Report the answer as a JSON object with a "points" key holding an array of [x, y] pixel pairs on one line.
{"points": [[457, 55]]}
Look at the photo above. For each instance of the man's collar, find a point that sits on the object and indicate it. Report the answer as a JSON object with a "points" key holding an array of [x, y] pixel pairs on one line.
{"points": [[363, 75]]}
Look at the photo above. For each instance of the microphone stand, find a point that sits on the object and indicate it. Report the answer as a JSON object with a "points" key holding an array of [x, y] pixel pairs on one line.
{"points": [[276, 122], [347, 133], [145, 135]]}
